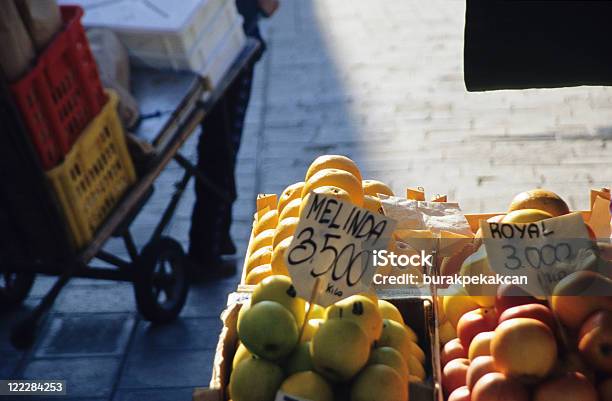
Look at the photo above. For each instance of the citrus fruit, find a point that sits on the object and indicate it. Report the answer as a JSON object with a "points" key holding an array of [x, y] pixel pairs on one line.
{"points": [[526, 216], [372, 203], [257, 274], [336, 178], [333, 161], [278, 257], [293, 191], [267, 221], [263, 239], [327, 190], [285, 229], [540, 199], [374, 187], [292, 209], [259, 257]]}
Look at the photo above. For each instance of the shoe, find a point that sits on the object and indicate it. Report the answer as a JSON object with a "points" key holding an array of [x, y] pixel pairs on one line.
{"points": [[228, 247], [210, 270]]}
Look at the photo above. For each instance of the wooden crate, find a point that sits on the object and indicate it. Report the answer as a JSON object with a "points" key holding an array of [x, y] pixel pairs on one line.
{"points": [[417, 312]]}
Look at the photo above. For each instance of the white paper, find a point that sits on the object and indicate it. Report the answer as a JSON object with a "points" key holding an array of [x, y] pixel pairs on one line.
{"points": [[544, 252], [333, 242]]}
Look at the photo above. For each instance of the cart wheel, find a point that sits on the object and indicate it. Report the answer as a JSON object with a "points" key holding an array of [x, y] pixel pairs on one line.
{"points": [[15, 287], [161, 281]]}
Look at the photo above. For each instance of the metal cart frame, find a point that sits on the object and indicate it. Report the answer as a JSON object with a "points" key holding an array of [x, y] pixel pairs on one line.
{"points": [[160, 277]]}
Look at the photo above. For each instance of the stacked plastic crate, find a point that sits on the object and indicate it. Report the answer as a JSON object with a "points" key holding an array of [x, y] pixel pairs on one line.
{"points": [[204, 36], [75, 129]]}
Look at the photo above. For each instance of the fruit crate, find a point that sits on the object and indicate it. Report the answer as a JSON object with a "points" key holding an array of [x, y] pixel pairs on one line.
{"points": [[94, 174], [164, 34], [417, 312], [62, 93], [154, 26], [202, 52], [225, 54]]}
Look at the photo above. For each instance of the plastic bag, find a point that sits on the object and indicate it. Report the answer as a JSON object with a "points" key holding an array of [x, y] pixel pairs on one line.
{"points": [[114, 67], [16, 51], [42, 19]]}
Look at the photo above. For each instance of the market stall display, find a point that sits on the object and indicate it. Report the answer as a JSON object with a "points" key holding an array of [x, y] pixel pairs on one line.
{"points": [[480, 332], [529, 342], [333, 358], [277, 216]]}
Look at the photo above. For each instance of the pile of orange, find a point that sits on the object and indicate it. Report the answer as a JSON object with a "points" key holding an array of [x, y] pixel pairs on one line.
{"points": [[331, 175]]}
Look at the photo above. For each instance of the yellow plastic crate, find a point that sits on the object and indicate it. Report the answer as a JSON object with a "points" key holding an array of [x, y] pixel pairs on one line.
{"points": [[94, 175]]}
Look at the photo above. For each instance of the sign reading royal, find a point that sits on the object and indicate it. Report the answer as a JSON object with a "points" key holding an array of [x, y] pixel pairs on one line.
{"points": [[545, 251], [332, 247]]}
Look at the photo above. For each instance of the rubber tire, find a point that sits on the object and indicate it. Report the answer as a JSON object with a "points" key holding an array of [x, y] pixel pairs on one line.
{"points": [[14, 295], [163, 250]]}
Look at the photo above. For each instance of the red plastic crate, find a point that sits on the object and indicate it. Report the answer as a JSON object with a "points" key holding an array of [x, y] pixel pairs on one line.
{"points": [[62, 93]]}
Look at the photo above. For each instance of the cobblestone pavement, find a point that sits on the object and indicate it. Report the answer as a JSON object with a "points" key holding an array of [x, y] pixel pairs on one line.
{"points": [[378, 81]]}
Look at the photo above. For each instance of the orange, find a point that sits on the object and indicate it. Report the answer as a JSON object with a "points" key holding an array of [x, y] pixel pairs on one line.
{"points": [[259, 257], [327, 190], [292, 209], [278, 257], [540, 199], [285, 229], [337, 178], [333, 161], [372, 203], [257, 274], [290, 193], [526, 216], [263, 239], [267, 221], [374, 187]]}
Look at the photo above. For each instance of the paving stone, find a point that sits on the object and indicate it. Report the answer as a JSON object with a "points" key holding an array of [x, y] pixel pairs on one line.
{"points": [[154, 395], [209, 299], [85, 377], [168, 369], [97, 298], [184, 334], [86, 334]]}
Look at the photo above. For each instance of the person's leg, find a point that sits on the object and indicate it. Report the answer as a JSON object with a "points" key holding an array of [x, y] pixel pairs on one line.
{"points": [[206, 232], [237, 105]]}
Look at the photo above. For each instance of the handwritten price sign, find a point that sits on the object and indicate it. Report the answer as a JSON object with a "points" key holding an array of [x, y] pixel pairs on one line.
{"points": [[333, 244], [543, 252]]}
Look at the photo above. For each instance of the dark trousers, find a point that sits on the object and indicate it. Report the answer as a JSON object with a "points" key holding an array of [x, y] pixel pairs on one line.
{"points": [[217, 152]]}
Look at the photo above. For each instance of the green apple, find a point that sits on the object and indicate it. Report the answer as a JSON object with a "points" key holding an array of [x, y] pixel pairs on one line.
{"points": [[339, 349], [243, 308], [308, 385], [268, 330], [317, 312], [310, 329], [299, 360], [240, 355], [389, 311], [255, 380], [361, 310], [390, 357], [280, 289], [379, 382], [396, 336]]}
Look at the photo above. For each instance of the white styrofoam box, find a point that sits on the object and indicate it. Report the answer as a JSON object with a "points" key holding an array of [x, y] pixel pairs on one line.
{"points": [[162, 27], [224, 55], [198, 56]]}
